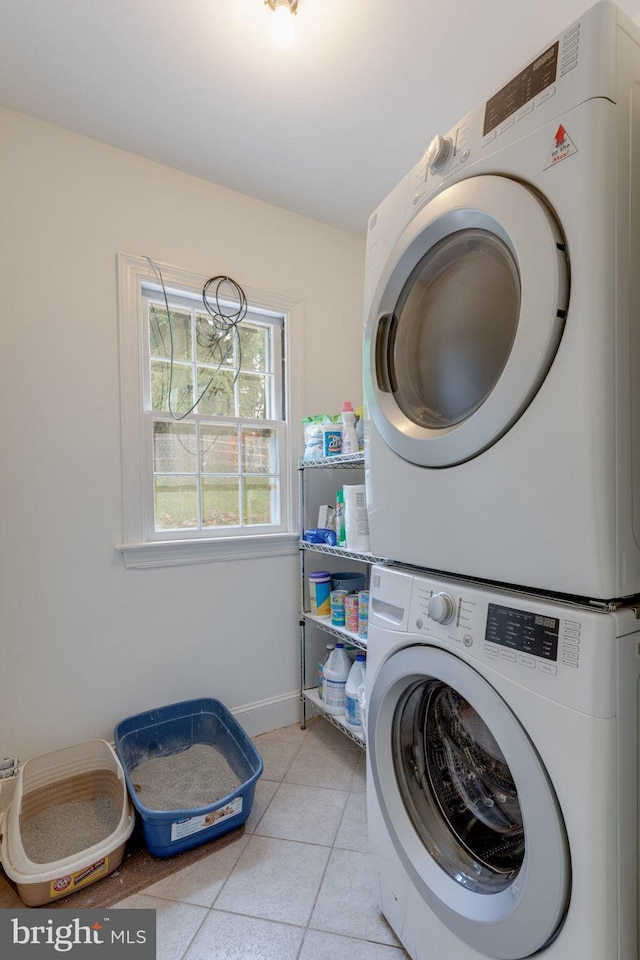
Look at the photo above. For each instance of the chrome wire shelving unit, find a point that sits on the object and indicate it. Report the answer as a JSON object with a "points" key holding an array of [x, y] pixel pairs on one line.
{"points": [[309, 694], [340, 552]]}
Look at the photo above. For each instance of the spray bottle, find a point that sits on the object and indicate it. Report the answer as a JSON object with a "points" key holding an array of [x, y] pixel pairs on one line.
{"points": [[341, 537]]}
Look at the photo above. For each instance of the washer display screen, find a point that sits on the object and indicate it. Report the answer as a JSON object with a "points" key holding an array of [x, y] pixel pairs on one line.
{"points": [[528, 84], [530, 633]]}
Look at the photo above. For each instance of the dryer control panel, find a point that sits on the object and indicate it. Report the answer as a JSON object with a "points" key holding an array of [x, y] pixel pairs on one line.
{"points": [[579, 65], [523, 88]]}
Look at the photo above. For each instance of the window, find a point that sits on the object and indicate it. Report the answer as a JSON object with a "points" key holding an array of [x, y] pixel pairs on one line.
{"points": [[206, 408], [214, 410]]}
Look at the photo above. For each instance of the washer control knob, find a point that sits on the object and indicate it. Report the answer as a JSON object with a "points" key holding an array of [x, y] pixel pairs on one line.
{"points": [[442, 607], [438, 152]]}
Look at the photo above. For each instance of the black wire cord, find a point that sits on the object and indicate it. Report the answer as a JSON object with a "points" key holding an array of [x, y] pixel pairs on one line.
{"points": [[221, 326]]}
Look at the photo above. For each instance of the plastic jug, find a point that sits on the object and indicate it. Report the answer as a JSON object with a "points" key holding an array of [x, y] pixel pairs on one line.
{"points": [[321, 666], [334, 680], [355, 680]]}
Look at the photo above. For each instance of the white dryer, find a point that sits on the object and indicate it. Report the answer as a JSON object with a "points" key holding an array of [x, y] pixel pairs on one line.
{"points": [[502, 331], [502, 771]]}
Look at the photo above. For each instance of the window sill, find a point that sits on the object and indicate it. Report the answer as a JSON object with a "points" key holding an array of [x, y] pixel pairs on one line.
{"points": [[171, 553]]}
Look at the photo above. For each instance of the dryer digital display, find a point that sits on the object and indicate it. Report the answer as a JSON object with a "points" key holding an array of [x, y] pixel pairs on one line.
{"points": [[525, 632], [531, 81]]}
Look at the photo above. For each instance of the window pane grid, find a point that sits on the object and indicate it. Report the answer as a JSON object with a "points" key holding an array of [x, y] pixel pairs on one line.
{"points": [[192, 362], [209, 475]]}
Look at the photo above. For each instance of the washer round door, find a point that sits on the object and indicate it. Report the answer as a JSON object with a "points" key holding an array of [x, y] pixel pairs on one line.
{"points": [[467, 803], [466, 321]]}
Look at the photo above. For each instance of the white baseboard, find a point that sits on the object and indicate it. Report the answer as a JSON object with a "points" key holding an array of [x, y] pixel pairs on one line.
{"points": [[271, 714]]}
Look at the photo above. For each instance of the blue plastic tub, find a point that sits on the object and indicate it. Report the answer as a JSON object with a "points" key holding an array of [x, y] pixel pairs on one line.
{"points": [[348, 581], [172, 729]]}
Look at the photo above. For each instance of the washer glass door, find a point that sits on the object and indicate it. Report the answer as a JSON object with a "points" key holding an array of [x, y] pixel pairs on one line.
{"points": [[457, 787], [466, 321], [467, 802]]}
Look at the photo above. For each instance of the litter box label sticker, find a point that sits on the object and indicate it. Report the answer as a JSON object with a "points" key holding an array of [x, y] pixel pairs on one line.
{"points": [[73, 881], [80, 934], [190, 825]]}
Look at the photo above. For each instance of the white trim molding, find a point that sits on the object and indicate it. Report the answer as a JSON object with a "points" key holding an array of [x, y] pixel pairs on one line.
{"points": [[138, 548], [170, 553], [271, 714]]}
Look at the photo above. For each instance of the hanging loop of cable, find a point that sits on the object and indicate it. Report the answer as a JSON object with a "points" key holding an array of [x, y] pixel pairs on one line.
{"points": [[219, 336], [234, 317]]}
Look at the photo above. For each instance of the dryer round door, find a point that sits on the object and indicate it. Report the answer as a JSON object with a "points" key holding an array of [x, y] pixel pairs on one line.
{"points": [[467, 803], [466, 321]]}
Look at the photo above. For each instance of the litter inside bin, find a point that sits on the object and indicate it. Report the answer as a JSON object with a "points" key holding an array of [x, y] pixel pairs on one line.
{"points": [[195, 777]]}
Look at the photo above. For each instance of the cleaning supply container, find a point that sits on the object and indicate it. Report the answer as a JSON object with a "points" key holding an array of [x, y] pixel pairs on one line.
{"points": [[339, 519], [349, 438], [356, 518], [355, 681], [166, 734], [331, 439], [351, 606], [320, 593], [335, 674], [337, 607], [363, 614], [68, 822], [321, 663]]}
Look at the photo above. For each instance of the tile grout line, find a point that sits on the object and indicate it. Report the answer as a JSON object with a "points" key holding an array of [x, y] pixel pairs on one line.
{"points": [[324, 872]]}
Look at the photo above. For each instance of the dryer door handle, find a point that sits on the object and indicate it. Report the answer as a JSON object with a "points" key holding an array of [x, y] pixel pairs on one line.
{"points": [[385, 353]]}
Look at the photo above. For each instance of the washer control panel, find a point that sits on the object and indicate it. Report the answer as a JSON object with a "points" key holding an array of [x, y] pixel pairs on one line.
{"points": [[526, 636], [522, 632], [566, 652]]}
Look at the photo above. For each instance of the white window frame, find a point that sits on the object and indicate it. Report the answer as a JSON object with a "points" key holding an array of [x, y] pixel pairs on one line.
{"points": [[142, 546]]}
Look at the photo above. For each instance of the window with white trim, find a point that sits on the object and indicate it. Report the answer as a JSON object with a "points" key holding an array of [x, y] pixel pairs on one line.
{"points": [[206, 406]]}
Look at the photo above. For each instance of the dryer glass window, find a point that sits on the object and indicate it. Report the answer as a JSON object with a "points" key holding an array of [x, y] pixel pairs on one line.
{"points": [[457, 787], [455, 324]]}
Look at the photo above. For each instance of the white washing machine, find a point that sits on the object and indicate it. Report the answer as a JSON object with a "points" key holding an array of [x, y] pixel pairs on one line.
{"points": [[502, 331], [502, 771]]}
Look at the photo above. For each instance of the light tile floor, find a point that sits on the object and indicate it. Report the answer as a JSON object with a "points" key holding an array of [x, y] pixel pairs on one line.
{"points": [[298, 885]]}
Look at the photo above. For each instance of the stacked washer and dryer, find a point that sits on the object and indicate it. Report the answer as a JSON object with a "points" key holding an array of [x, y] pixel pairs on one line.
{"points": [[502, 341]]}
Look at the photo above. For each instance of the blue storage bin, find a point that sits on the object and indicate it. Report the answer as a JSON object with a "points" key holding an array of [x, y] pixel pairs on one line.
{"points": [[172, 729]]}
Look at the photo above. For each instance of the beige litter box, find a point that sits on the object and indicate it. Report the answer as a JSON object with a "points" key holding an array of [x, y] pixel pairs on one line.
{"points": [[81, 781]]}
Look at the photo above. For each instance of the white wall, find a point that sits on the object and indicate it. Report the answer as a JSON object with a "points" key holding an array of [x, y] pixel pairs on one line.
{"points": [[85, 642]]}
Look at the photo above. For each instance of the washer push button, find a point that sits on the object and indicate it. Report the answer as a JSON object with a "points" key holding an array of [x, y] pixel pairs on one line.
{"points": [[549, 668], [527, 661], [570, 651]]}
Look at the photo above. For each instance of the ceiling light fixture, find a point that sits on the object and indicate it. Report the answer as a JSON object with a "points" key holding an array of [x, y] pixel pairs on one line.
{"points": [[282, 29]]}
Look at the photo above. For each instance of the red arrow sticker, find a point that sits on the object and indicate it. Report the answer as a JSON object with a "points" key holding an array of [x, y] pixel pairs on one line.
{"points": [[562, 147]]}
